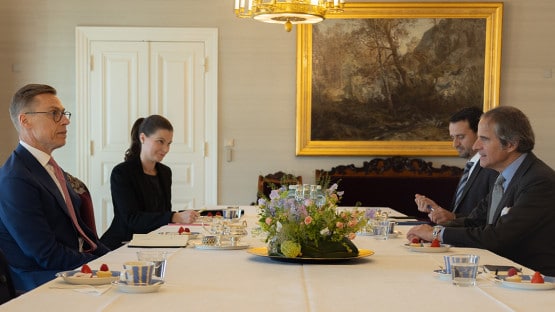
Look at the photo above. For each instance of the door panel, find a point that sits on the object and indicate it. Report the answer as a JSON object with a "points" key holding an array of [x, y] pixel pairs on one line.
{"points": [[177, 90], [119, 94]]}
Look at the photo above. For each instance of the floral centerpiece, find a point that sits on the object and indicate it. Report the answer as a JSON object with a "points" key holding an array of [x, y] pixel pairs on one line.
{"points": [[309, 227]]}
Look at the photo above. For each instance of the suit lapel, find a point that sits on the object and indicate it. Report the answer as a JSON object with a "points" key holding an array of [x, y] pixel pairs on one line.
{"points": [[41, 175], [508, 194]]}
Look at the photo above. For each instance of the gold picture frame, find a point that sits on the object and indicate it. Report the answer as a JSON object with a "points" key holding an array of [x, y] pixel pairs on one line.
{"points": [[489, 15]]}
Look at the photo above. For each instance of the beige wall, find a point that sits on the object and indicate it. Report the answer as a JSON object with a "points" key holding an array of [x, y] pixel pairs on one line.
{"points": [[257, 76]]}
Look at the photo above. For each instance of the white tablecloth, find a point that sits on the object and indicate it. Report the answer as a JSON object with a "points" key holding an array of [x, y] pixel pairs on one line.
{"points": [[393, 279]]}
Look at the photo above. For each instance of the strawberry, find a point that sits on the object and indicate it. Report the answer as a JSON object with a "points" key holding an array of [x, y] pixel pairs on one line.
{"points": [[537, 278], [86, 269], [415, 240], [187, 230], [512, 272], [104, 267], [181, 230], [435, 243], [209, 214]]}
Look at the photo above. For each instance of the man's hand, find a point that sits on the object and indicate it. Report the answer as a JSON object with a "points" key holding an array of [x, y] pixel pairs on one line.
{"points": [[423, 231], [424, 203], [441, 216]]}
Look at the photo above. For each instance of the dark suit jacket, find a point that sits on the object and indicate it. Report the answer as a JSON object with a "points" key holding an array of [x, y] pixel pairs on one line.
{"points": [[134, 208], [478, 186], [525, 233], [36, 232]]}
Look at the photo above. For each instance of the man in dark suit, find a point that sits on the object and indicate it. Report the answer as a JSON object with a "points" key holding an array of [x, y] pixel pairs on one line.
{"points": [[517, 218], [476, 181], [41, 231]]}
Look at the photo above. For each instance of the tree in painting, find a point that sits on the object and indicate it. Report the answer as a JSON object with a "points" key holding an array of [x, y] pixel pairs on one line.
{"points": [[394, 79]]}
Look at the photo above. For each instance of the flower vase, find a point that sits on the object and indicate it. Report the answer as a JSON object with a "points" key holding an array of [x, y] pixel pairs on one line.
{"points": [[274, 247], [329, 249]]}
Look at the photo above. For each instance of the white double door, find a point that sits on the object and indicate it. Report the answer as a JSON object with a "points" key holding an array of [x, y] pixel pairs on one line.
{"points": [[131, 79]]}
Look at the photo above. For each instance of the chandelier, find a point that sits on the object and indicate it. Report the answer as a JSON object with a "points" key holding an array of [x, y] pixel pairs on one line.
{"points": [[287, 12]]}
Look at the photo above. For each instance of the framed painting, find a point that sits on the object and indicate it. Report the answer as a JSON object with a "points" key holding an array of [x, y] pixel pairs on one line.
{"points": [[384, 78]]}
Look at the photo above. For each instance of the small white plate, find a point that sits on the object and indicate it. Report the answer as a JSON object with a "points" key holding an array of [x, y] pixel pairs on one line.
{"points": [[135, 289], [526, 284], [222, 247], [69, 278], [425, 247]]}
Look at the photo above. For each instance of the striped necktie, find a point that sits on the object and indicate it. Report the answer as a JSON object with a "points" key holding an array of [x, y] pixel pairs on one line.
{"points": [[462, 182], [496, 195], [70, 209]]}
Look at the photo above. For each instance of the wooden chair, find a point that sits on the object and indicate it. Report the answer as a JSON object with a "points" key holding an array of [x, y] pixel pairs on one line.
{"points": [[7, 290], [87, 209], [275, 180]]}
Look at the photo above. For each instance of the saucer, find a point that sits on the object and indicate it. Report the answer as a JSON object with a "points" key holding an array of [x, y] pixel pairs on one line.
{"points": [[138, 289], [442, 275], [222, 247], [395, 234]]}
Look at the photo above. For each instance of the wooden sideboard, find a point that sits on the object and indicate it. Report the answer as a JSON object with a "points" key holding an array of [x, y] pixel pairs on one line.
{"points": [[392, 182]]}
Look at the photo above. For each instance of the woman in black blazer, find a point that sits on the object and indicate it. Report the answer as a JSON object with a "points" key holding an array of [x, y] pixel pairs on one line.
{"points": [[141, 185]]}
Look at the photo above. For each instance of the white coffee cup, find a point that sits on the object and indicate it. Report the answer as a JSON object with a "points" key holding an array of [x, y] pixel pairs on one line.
{"points": [[138, 273]]}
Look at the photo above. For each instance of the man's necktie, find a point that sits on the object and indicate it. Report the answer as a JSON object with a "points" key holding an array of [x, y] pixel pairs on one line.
{"points": [[496, 195], [71, 210], [462, 182]]}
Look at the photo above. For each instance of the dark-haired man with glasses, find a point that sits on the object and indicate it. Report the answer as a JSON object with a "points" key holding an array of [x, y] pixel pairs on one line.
{"points": [[41, 230]]}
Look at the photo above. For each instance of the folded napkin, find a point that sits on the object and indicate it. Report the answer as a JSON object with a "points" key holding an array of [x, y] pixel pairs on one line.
{"points": [[86, 289]]}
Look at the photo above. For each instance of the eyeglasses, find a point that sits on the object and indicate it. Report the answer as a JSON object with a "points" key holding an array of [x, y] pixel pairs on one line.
{"points": [[56, 114]]}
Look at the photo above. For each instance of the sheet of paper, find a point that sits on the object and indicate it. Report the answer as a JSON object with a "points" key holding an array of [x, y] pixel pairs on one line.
{"points": [[155, 240]]}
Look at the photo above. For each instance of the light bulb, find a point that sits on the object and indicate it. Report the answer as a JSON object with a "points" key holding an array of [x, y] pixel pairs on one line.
{"points": [[288, 26]]}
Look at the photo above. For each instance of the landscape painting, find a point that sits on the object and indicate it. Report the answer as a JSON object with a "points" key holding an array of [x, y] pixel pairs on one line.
{"points": [[387, 86]]}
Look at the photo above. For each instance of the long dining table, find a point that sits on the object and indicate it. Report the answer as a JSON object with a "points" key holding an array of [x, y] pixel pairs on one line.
{"points": [[394, 278]]}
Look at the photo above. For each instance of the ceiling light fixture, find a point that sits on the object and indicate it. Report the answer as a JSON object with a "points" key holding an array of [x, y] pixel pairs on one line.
{"points": [[288, 12]]}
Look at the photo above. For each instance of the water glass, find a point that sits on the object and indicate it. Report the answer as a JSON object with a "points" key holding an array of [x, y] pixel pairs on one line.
{"points": [[159, 258], [464, 269], [381, 229], [232, 213]]}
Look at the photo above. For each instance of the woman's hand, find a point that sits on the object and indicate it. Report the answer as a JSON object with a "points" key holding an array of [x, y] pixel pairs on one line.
{"points": [[185, 216]]}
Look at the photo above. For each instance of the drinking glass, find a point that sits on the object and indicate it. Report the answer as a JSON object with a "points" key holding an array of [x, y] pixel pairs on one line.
{"points": [[232, 213], [464, 269], [159, 258], [381, 229]]}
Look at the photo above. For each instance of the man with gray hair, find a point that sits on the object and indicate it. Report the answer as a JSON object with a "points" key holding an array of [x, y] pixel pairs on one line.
{"points": [[517, 218]]}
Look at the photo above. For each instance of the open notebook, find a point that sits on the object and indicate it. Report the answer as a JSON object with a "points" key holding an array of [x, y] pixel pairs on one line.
{"points": [[155, 240]]}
